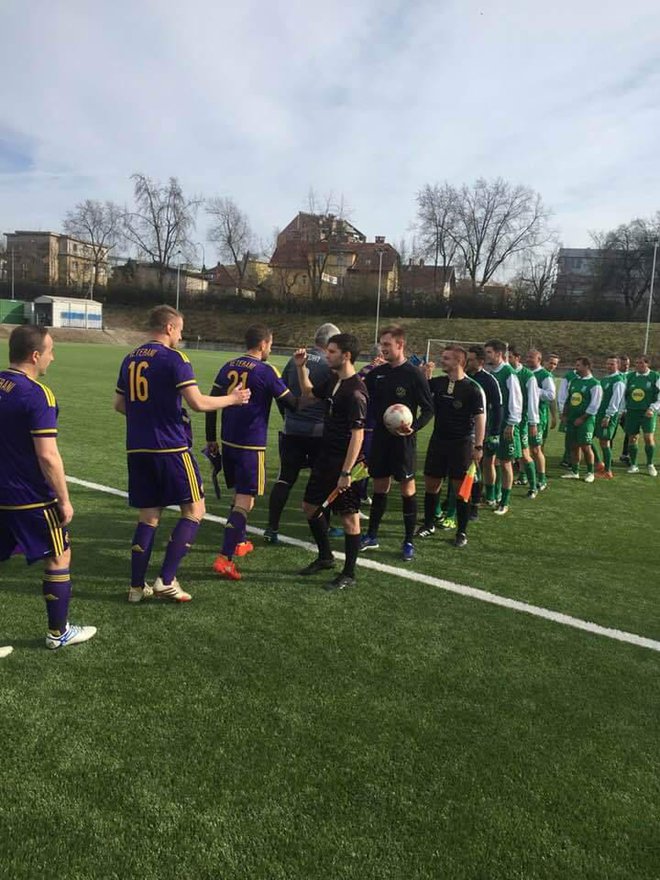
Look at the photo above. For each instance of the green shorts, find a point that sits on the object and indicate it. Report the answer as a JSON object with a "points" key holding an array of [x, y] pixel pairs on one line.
{"points": [[581, 435], [523, 430], [539, 440], [637, 420], [607, 433], [509, 450]]}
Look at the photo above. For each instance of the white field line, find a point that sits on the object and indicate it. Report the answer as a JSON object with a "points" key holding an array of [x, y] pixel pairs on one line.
{"points": [[415, 576]]}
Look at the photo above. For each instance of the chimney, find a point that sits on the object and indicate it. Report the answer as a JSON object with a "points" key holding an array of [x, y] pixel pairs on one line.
{"points": [[380, 239]]}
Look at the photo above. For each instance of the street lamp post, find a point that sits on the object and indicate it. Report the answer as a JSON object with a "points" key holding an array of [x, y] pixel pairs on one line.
{"points": [[380, 275], [178, 280], [648, 314], [199, 244]]}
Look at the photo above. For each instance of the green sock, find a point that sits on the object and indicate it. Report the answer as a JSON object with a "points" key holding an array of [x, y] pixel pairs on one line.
{"points": [[607, 455], [650, 452], [530, 470], [506, 494], [590, 467], [541, 478], [632, 452], [490, 493], [597, 452], [498, 482], [567, 449], [575, 468]]}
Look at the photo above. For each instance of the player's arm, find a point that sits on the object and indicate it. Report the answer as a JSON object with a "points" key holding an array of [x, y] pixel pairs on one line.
{"points": [[547, 391], [52, 467], [307, 395], [120, 403], [358, 418], [654, 407], [616, 401], [514, 414], [208, 403], [425, 400], [533, 400], [595, 400], [495, 406]]}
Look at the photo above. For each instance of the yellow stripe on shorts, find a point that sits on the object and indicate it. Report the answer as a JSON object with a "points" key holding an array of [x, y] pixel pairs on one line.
{"points": [[192, 477], [56, 535]]}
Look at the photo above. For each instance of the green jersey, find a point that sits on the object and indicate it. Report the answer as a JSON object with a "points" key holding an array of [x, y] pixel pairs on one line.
{"points": [[642, 391], [507, 379], [524, 374], [584, 396], [614, 389]]}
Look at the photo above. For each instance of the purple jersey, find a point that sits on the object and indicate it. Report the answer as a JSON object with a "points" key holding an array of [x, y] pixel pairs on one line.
{"points": [[151, 379], [27, 410], [246, 427]]}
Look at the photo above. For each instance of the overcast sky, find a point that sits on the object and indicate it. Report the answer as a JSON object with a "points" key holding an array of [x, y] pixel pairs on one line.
{"points": [[366, 98]]}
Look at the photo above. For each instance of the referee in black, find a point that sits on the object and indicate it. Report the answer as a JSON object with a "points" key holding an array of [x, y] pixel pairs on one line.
{"points": [[345, 399], [301, 436], [457, 438], [395, 381], [476, 359]]}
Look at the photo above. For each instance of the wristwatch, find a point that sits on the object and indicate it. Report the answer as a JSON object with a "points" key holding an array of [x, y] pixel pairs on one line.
{"points": [[480, 448], [344, 473]]}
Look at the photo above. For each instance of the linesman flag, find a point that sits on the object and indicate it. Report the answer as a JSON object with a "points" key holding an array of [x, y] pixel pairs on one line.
{"points": [[465, 489], [359, 472]]}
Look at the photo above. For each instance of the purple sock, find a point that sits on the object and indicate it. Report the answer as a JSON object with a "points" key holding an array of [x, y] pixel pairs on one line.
{"points": [[56, 588], [181, 540], [234, 532], [143, 542]]}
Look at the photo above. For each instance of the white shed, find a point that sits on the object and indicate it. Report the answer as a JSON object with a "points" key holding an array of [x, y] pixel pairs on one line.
{"points": [[64, 311]]}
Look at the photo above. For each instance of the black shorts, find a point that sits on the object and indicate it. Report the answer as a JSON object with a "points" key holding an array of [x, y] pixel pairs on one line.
{"points": [[448, 458], [392, 456], [296, 452], [323, 480]]}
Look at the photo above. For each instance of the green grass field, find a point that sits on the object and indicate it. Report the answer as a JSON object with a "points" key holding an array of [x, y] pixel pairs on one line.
{"points": [[271, 730]]}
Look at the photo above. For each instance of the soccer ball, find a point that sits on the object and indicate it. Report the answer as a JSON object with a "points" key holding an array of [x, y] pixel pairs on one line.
{"points": [[397, 416]]}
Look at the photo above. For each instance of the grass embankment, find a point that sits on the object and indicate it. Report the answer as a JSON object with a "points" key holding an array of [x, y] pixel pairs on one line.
{"points": [[567, 338]]}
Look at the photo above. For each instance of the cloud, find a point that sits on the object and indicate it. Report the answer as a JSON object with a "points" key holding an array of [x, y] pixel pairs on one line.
{"points": [[371, 99]]}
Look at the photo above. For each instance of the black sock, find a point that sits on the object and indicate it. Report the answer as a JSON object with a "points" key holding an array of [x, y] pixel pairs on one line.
{"points": [[319, 529], [378, 505], [430, 502], [462, 515], [278, 498], [476, 492], [351, 547], [625, 445], [409, 505]]}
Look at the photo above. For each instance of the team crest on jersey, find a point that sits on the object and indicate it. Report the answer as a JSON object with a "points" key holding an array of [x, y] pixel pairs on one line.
{"points": [[637, 395], [400, 392], [457, 404], [576, 398]]}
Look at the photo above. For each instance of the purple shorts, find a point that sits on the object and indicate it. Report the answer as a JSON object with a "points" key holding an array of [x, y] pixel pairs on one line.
{"points": [[158, 479], [36, 531], [245, 470]]}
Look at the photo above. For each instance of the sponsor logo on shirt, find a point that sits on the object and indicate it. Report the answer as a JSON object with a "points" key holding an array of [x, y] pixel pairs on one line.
{"points": [[400, 392]]}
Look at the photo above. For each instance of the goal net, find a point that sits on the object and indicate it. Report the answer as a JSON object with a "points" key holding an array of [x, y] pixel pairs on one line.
{"points": [[434, 347]]}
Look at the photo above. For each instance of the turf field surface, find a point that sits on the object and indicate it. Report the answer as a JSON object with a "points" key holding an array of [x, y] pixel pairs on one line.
{"points": [[269, 729]]}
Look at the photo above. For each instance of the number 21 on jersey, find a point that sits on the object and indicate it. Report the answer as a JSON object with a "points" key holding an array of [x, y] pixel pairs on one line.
{"points": [[235, 379]]}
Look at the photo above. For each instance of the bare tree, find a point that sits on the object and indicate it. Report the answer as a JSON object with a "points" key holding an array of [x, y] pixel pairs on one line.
{"points": [[488, 222], [162, 222], [100, 225], [624, 263], [538, 277], [232, 234], [437, 227]]}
